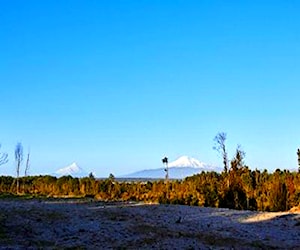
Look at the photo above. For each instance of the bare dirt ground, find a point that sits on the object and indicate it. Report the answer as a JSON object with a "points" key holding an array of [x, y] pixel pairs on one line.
{"points": [[33, 224]]}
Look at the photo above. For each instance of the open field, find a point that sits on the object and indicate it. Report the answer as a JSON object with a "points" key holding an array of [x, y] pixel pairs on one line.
{"points": [[95, 225]]}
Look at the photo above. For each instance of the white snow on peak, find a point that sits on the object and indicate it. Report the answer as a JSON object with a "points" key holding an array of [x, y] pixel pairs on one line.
{"points": [[186, 161], [181, 168], [73, 170]]}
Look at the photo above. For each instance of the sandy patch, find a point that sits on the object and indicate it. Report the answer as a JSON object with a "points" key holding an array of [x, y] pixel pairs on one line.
{"points": [[92, 225]]}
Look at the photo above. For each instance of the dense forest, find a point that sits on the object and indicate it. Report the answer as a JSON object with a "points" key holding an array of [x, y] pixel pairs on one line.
{"points": [[238, 188]]}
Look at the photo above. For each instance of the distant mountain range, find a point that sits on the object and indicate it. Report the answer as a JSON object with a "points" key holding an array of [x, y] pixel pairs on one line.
{"points": [[179, 169]]}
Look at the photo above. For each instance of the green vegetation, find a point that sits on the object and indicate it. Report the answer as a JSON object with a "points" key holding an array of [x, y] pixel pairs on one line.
{"points": [[239, 188]]}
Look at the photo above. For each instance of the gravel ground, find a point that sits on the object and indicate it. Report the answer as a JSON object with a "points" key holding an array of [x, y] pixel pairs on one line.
{"points": [[33, 224]]}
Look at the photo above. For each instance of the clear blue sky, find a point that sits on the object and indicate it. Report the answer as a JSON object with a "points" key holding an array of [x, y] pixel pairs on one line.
{"points": [[116, 85]]}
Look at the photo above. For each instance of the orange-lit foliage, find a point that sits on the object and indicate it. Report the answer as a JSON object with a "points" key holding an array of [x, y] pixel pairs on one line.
{"points": [[239, 188]]}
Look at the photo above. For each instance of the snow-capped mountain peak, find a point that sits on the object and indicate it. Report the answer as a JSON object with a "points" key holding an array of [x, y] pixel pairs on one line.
{"points": [[181, 168], [186, 161], [73, 170]]}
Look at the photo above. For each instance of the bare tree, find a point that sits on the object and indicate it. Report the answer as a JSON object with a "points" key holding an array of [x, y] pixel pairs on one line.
{"points": [[3, 158], [220, 139], [165, 161], [19, 160], [27, 163], [298, 153]]}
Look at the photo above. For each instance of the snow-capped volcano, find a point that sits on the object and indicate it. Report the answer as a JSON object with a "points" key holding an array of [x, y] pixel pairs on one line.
{"points": [[186, 161], [183, 167], [74, 170]]}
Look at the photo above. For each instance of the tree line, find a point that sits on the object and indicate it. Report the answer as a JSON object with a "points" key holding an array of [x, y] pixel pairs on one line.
{"points": [[236, 187]]}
